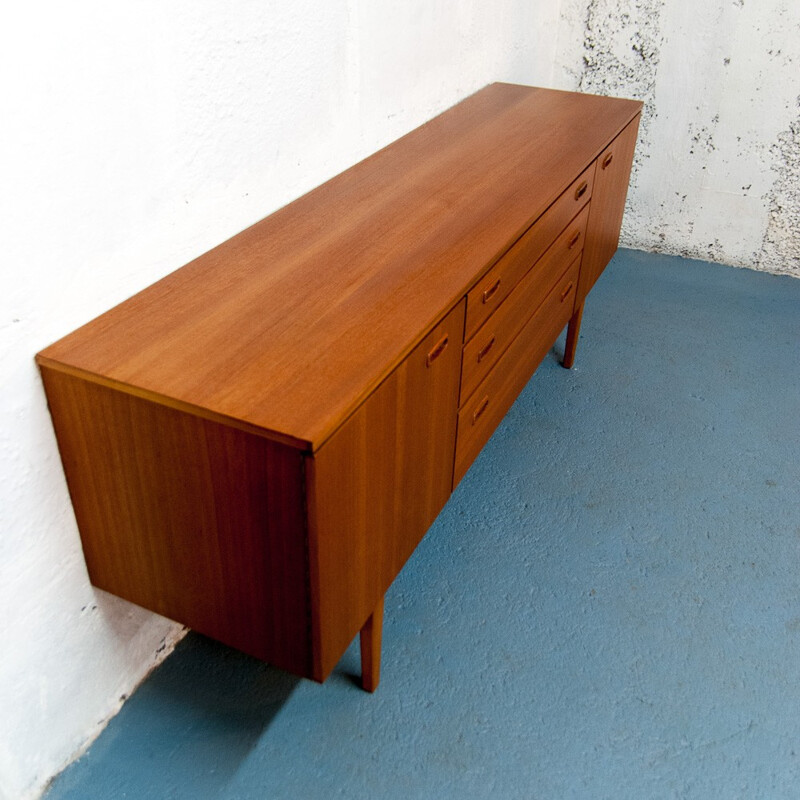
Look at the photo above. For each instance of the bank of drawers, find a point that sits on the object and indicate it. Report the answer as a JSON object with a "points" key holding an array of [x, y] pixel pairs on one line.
{"points": [[488, 294], [515, 313]]}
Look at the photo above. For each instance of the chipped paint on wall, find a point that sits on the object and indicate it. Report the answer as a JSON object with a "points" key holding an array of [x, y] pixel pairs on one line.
{"points": [[780, 250], [716, 170], [621, 48]]}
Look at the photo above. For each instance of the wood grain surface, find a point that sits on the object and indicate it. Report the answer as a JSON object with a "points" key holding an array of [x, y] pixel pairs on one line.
{"points": [[483, 351], [325, 297], [479, 417], [377, 485], [196, 521], [255, 444], [611, 188], [490, 291]]}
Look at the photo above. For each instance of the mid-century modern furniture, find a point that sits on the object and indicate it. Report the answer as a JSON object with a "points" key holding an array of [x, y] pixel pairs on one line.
{"points": [[255, 444]]}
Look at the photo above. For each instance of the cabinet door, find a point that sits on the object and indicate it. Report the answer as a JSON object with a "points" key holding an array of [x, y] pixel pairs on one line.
{"points": [[607, 205], [376, 486]]}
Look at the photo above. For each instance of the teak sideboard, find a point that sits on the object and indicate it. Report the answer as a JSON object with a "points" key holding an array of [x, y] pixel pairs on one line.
{"points": [[255, 444]]}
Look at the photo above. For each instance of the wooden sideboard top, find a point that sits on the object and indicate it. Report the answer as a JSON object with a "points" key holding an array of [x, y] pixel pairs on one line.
{"points": [[286, 327]]}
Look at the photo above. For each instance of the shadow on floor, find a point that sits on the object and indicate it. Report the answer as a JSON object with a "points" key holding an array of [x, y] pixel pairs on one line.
{"points": [[213, 705], [607, 607]]}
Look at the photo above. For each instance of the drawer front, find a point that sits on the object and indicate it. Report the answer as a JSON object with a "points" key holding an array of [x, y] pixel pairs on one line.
{"points": [[496, 394], [486, 347], [497, 284]]}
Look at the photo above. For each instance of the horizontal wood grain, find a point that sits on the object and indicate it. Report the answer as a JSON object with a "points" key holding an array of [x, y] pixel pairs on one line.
{"points": [[500, 280], [326, 296], [490, 402], [483, 351]]}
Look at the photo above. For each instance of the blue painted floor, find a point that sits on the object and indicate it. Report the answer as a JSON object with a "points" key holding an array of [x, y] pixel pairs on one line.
{"points": [[608, 607]]}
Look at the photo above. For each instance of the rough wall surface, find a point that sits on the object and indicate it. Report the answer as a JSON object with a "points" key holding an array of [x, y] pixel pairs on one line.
{"points": [[135, 137], [138, 136], [716, 172]]}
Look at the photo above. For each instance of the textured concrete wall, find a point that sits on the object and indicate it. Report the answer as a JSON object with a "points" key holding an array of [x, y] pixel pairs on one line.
{"points": [[717, 173], [135, 137], [138, 136]]}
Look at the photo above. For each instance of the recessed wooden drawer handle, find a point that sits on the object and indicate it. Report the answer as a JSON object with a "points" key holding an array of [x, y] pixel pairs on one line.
{"points": [[581, 190], [485, 349], [476, 415], [438, 349], [574, 240], [607, 160], [489, 293], [566, 291]]}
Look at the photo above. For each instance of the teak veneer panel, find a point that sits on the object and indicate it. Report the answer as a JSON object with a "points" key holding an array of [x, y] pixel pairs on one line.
{"points": [[197, 521], [377, 485], [611, 187], [490, 402], [490, 291], [255, 444], [490, 342], [327, 295]]}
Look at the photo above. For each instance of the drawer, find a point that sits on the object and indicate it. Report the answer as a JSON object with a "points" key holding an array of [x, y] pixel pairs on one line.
{"points": [[482, 352], [496, 285], [496, 394]]}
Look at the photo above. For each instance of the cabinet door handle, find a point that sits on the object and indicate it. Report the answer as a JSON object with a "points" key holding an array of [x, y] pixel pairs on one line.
{"points": [[485, 349], [489, 293], [437, 350], [581, 190], [574, 240], [566, 291], [476, 415], [607, 160]]}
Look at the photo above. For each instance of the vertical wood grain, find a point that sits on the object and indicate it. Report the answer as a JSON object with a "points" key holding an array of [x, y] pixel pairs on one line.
{"points": [[607, 206], [194, 520], [377, 485], [573, 332]]}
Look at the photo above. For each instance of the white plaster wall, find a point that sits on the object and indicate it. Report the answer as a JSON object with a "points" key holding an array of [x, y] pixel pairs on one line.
{"points": [[136, 136], [717, 172]]}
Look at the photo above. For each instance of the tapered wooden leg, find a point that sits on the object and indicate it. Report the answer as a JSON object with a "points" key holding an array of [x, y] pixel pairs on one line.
{"points": [[371, 649], [573, 329]]}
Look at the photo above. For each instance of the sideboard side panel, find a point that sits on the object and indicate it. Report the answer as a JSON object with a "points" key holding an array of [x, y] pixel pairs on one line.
{"points": [[607, 206], [192, 519], [377, 485]]}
